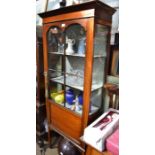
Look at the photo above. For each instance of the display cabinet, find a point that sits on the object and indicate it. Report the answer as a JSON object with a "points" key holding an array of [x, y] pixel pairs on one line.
{"points": [[76, 43]]}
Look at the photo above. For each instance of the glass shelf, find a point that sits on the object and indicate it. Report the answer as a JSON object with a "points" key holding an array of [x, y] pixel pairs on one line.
{"points": [[57, 53], [94, 109], [83, 55], [75, 54], [60, 80], [100, 55], [78, 55]]}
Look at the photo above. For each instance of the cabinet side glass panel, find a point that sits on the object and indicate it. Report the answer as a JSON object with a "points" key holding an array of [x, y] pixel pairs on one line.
{"points": [[100, 54], [55, 65], [100, 40]]}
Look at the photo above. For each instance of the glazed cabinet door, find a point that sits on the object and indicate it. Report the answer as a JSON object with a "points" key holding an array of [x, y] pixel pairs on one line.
{"points": [[67, 43], [66, 55]]}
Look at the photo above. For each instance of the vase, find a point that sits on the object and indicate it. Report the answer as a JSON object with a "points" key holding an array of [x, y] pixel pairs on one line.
{"points": [[81, 46], [70, 43], [70, 97]]}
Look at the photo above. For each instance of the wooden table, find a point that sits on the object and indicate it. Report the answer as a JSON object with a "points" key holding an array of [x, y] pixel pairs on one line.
{"points": [[92, 151]]}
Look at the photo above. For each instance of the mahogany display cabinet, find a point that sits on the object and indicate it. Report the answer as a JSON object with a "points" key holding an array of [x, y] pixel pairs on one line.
{"points": [[76, 43]]}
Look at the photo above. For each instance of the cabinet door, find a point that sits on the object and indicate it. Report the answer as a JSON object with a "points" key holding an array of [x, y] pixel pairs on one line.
{"points": [[75, 40], [66, 64], [55, 49], [66, 46]]}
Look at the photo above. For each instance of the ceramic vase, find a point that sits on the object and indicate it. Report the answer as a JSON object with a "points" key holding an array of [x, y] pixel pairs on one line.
{"points": [[81, 47], [70, 97], [70, 43]]}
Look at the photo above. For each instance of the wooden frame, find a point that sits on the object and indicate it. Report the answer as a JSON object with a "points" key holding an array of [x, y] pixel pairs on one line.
{"points": [[114, 68], [40, 91], [85, 14]]}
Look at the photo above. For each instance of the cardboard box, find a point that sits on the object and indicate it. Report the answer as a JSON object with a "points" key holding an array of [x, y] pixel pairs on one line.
{"points": [[112, 143], [97, 132]]}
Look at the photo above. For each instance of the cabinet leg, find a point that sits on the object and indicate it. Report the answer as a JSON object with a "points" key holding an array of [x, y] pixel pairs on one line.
{"points": [[49, 136]]}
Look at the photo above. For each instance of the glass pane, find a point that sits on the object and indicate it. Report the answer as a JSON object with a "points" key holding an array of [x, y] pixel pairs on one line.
{"points": [[98, 72], [100, 47], [75, 72], [96, 100], [100, 41], [74, 99], [75, 40], [55, 40], [56, 78], [56, 68], [75, 37], [56, 65], [56, 93]]}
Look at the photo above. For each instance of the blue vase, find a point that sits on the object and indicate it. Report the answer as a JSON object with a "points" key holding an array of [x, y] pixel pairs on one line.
{"points": [[70, 97]]}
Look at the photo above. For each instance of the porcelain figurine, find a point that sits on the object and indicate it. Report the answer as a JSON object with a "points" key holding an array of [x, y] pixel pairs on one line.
{"points": [[81, 47], [70, 43], [77, 107]]}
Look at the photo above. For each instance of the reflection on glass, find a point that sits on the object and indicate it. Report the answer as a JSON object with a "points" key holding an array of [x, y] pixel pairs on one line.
{"points": [[55, 65], [98, 71], [75, 72], [100, 40], [55, 40], [56, 78], [96, 98], [98, 74]]}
